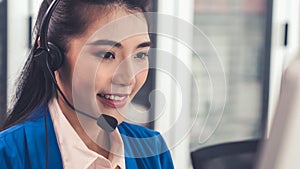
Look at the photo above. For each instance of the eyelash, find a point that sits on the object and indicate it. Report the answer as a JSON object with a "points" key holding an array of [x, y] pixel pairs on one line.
{"points": [[143, 57], [109, 55], [105, 55]]}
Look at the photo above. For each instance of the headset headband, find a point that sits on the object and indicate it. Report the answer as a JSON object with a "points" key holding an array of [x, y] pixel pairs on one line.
{"points": [[49, 2], [45, 24]]}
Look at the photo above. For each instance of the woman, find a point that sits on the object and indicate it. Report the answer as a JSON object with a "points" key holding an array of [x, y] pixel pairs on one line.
{"points": [[103, 64]]}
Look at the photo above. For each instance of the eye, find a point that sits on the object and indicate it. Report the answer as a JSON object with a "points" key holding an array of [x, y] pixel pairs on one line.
{"points": [[105, 55], [141, 55]]}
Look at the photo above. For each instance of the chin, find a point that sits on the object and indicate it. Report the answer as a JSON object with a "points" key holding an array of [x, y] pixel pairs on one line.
{"points": [[117, 113]]}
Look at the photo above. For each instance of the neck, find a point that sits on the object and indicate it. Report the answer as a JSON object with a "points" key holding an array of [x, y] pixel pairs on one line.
{"points": [[101, 137]]}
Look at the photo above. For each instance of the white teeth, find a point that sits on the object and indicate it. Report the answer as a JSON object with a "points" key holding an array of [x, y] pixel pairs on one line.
{"points": [[113, 97], [119, 98]]}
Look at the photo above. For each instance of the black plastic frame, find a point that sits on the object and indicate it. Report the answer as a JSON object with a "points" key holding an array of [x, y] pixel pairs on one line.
{"points": [[266, 68]]}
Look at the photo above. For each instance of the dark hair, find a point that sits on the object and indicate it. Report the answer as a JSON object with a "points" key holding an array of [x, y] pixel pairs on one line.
{"points": [[70, 19]]}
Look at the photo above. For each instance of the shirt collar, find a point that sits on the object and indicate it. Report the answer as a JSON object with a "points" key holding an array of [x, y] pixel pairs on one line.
{"points": [[75, 154]]}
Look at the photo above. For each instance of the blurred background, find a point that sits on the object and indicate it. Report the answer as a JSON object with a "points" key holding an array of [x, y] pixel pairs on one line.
{"points": [[254, 40]]}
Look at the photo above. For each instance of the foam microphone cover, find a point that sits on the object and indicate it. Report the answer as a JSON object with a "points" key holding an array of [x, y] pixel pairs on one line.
{"points": [[107, 123]]}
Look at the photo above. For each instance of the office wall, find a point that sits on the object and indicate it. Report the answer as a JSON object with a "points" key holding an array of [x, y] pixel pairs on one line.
{"points": [[17, 47], [173, 82], [3, 59], [19, 13]]}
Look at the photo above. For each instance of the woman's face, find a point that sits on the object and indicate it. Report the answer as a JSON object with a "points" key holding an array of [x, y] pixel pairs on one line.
{"points": [[107, 65]]}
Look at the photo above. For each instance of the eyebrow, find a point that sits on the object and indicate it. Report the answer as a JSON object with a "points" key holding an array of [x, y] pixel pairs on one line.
{"points": [[143, 45], [106, 42]]}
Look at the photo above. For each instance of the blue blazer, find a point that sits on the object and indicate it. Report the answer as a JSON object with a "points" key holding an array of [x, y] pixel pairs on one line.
{"points": [[23, 146]]}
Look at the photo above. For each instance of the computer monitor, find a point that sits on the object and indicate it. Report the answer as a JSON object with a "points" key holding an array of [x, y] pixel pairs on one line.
{"points": [[282, 148]]}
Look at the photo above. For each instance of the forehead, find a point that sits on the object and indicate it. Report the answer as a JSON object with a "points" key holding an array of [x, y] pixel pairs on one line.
{"points": [[118, 25]]}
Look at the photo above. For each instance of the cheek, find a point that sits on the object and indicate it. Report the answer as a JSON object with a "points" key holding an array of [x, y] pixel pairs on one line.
{"points": [[65, 72], [103, 76], [141, 78], [84, 73]]}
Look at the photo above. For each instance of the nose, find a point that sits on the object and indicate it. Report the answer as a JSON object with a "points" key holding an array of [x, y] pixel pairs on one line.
{"points": [[124, 73]]}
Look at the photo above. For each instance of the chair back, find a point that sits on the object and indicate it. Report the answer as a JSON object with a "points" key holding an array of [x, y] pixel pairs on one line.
{"points": [[233, 155]]}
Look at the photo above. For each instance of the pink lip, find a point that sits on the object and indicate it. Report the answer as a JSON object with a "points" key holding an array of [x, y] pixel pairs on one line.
{"points": [[113, 103]]}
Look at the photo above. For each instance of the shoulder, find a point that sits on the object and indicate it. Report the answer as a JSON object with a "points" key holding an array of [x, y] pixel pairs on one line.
{"points": [[32, 125], [24, 144], [10, 132], [21, 134], [13, 145], [9, 138]]}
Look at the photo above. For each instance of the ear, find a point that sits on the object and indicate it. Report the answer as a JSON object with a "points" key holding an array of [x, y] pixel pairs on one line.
{"points": [[39, 41]]}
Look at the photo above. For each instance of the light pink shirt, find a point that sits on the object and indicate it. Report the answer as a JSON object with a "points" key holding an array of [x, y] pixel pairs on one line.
{"points": [[75, 154]]}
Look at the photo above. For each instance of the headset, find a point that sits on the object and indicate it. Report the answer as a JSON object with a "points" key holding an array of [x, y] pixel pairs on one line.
{"points": [[48, 53]]}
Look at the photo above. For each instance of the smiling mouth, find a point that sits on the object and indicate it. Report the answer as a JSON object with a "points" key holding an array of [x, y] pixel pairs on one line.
{"points": [[113, 100]]}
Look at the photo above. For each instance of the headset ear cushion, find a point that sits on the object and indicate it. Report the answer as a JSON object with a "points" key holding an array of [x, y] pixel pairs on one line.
{"points": [[56, 58]]}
